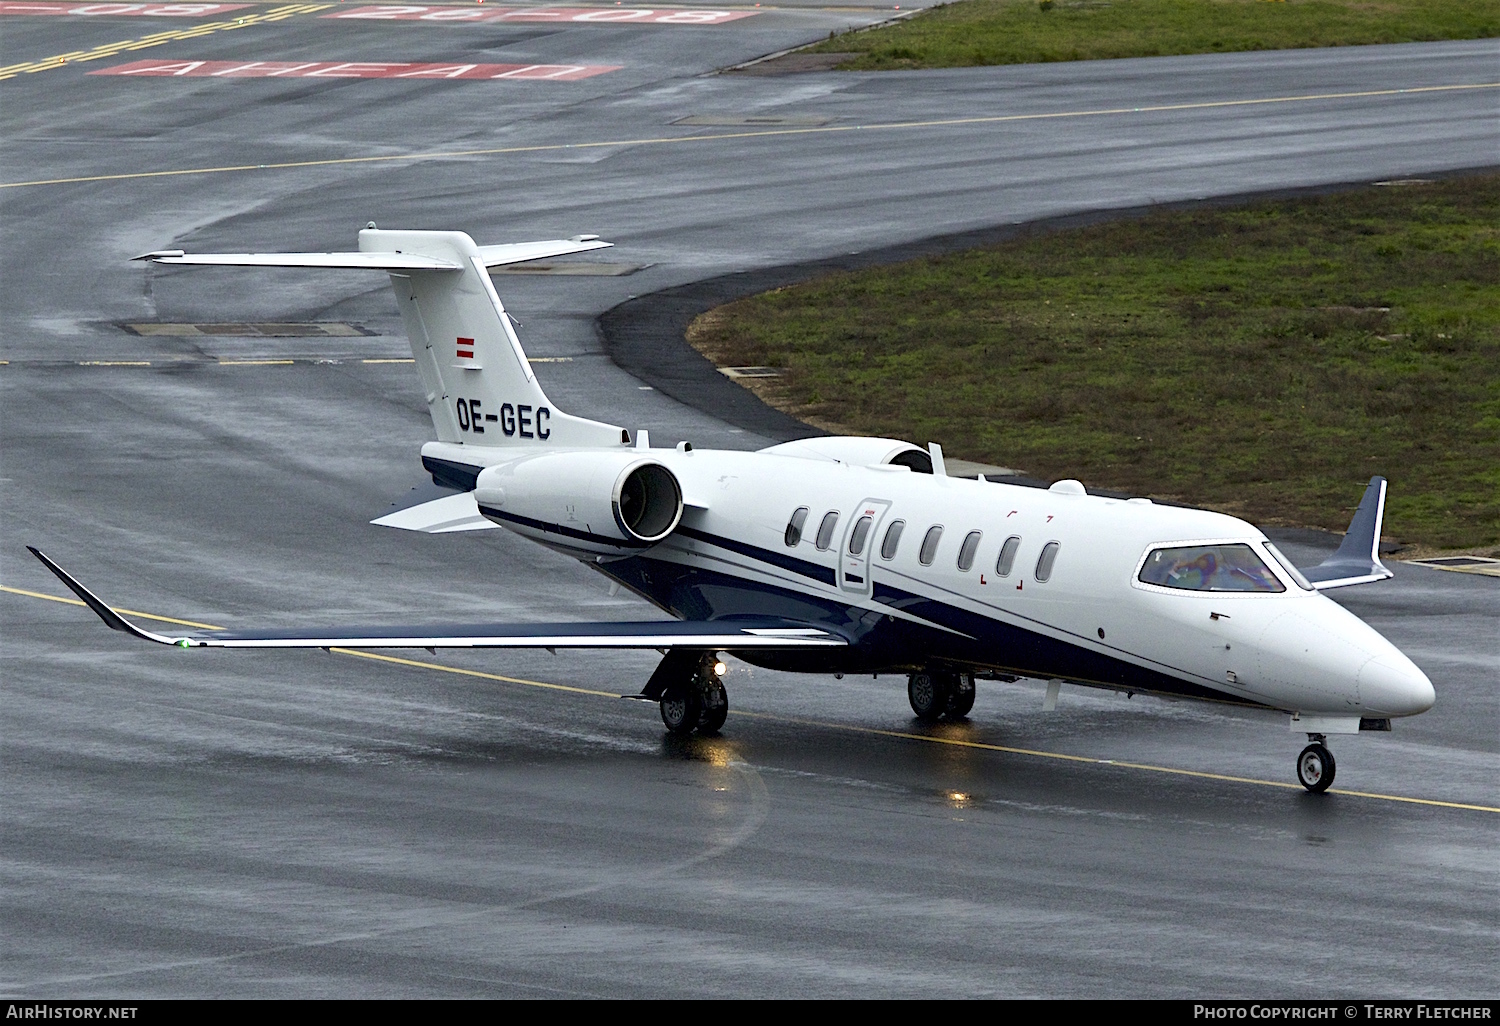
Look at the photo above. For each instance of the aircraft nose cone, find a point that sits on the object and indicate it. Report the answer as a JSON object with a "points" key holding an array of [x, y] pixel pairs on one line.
{"points": [[1395, 690]]}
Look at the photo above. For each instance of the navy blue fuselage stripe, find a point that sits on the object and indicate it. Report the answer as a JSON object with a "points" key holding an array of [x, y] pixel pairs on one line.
{"points": [[882, 643], [566, 532], [824, 574]]}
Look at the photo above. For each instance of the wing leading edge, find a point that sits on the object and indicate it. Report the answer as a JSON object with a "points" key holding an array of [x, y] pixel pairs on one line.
{"points": [[729, 635]]}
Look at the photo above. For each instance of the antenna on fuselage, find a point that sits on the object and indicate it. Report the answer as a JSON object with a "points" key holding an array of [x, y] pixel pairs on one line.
{"points": [[939, 468]]}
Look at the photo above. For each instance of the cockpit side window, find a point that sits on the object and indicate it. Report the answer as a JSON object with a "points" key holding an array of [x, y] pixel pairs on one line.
{"points": [[1229, 567], [794, 527], [1291, 571]]}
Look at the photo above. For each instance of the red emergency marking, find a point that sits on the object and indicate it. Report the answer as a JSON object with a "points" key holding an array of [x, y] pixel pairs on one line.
{"points": [[584, 15], [355, 69], [466, 349], [122, 10]]}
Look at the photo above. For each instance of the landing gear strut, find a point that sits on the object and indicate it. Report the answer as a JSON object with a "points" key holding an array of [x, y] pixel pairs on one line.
{"points": [[937, 693], [1315, 766], [691, 694]]}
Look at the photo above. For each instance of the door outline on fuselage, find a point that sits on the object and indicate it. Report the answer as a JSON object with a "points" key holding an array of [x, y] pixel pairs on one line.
{"points": [[854, 571]]}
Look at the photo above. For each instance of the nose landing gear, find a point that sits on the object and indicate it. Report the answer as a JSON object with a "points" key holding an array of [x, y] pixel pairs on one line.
{"points": [[1315, 766], [937, 693]]}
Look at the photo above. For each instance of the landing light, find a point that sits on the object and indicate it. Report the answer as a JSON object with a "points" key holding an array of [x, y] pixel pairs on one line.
{"points": [[720, 668]]}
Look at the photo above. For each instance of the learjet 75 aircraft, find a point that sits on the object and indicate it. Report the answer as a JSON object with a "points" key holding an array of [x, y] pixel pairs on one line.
{"points": [[844, 554]]}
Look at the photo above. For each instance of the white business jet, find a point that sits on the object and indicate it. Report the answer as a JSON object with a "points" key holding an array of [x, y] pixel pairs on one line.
{"points": [[843, 555]]}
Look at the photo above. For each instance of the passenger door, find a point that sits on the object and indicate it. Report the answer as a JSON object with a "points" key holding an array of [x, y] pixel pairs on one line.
{"points": [[860, 539]]}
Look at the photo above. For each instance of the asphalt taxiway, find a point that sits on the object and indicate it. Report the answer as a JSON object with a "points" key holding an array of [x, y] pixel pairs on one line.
{"points": [[218, 823]]}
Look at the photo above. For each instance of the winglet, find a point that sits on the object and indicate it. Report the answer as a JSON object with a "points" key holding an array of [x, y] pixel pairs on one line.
{"points": [[111, 619], [1357, 560]]}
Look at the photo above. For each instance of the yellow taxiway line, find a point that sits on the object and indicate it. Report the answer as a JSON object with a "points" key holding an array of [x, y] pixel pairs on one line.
{"points": [[886, 126], [62, 60], [936, 739], [122, 612]]}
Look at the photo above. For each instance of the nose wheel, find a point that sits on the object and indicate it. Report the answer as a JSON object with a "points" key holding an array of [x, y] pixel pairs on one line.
{"points": [[1315, 766]]}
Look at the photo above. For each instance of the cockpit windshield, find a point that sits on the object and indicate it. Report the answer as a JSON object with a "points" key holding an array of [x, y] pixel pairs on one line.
{"points": [[1209, 568]]}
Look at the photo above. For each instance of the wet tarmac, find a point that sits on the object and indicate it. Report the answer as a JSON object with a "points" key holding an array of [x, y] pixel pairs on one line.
{"points": [[213, 823]]}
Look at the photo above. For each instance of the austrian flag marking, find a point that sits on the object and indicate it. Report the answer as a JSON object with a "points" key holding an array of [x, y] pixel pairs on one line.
{"points": [[466, 349], [356, 69]]}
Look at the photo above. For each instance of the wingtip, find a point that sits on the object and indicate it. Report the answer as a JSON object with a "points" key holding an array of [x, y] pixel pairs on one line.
{"points": [[112, 619]]}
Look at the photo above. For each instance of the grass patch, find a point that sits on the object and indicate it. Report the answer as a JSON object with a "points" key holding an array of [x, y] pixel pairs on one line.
{"points": [[980, 32], [1265, 360]]}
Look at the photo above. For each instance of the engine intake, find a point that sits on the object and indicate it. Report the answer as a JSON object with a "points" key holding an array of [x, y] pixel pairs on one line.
{"points": [[648, 502]]}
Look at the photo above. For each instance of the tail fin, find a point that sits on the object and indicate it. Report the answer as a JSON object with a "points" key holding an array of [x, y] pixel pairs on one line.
{"points": [[479, 385]]}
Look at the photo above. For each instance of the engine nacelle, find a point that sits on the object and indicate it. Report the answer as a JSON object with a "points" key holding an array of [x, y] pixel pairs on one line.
{"points": [[585, 502], [858, 450]]}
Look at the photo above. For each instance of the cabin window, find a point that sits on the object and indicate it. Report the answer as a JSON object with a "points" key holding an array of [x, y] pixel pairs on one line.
{"points": [[1209, 568], [859, 534], [892, 539], [967, 549], [1007, 558], [794, 527], [825, 530], [929, 545], [1045, 560]]}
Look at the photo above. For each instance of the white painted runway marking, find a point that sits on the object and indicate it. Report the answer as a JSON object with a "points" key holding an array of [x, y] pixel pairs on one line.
{"points": [[572, 15], [122, 10], [356, 69]]}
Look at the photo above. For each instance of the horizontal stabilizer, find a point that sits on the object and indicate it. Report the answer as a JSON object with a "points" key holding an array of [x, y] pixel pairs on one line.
{"points": [[493, 256], [1357, 560], [520, 252], [450, 511], [348, 261], [765, 632]]}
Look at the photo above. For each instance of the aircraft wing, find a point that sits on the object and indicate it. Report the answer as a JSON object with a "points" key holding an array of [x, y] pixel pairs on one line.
{"points": [[1357, 560], [765, 632]]}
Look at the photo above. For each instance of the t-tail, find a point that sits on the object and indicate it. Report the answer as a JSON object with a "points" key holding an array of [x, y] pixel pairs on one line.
{"points": [[479, 386]]}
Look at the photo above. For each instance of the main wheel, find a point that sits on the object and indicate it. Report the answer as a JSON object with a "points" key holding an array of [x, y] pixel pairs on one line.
{"points": [[961, 697], [682, 714], [1315, 768], [715, 708], [928, 696]]}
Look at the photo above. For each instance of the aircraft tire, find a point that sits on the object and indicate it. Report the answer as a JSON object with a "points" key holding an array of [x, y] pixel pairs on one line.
{"points": [[715, 705], [682, 714], [961, 696], [928, 694], [1315, 768]]}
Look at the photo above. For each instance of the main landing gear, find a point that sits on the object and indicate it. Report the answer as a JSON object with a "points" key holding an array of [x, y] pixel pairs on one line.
{"points": [[1315, 766], [937, 693], [690, 691]]}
